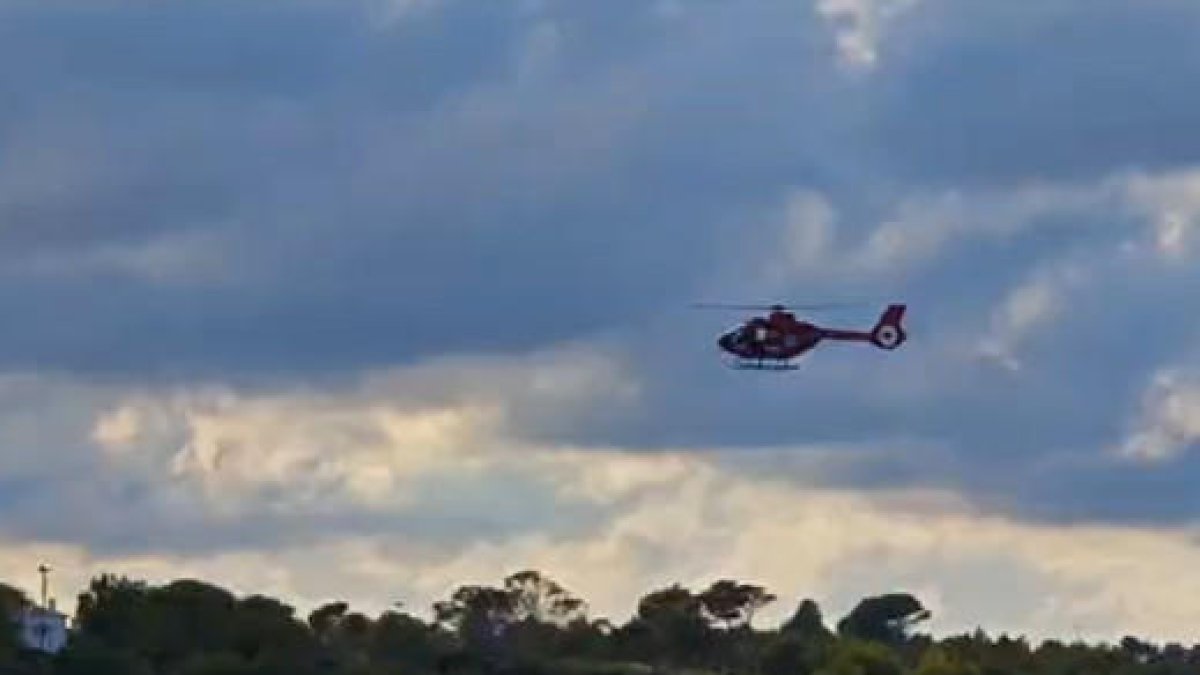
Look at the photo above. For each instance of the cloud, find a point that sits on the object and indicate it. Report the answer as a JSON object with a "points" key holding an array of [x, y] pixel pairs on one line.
{"points": [[414, 480], [292, 207], [1170, 418], [859, 26], [1029, 305], [922, 227], [697, 523], [961, 104], [203, 468], [317, 300], [1173, 202], [321, 199]]}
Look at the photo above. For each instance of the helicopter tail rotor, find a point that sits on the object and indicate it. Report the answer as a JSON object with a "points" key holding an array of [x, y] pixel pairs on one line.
{"points": [[888, 332]]}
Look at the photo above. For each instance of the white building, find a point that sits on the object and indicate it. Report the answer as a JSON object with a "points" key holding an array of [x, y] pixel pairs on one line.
{"points": [[42, 628]]}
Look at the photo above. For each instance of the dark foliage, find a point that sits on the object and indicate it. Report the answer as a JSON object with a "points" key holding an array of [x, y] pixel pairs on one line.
{"points": [[530, 625]]}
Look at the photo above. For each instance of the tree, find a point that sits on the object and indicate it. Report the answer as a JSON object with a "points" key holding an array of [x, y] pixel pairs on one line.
{"points": [[669, 603], [266, 628], [114, 611], [479, 616], [938, 661], [1138, 650], [189, 627], [791, 654], [732, 603], [469, 606], [344, 637], [12, 601], [885, 618], [537, 597], [186, 617], [802, 644], [856, 657], [674, 617], [400, 639], [216, 663], [89, 655], [807, 621], [323, 619]]}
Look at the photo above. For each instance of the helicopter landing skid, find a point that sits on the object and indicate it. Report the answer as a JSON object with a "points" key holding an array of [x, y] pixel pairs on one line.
{"points": [[764, 364]]}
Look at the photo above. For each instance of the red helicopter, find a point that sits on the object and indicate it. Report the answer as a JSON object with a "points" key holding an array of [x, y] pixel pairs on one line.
{"points": [[773, 341]]}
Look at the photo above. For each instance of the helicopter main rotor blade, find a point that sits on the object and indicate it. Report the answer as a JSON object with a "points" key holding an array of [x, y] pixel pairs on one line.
{"points": [[764, 308]]}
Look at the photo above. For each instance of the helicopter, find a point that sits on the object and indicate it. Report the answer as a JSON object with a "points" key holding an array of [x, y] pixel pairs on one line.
{"points": [[776, 340]]}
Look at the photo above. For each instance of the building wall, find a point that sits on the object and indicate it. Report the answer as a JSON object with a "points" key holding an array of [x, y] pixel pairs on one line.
{"points": [[42, 629]]}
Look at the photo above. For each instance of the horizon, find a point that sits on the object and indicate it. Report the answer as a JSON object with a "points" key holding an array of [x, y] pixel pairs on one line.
{"points": [[768, 618]]}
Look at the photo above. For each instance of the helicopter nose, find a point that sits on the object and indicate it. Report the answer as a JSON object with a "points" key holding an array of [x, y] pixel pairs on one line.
{"points": [[726, 342]]}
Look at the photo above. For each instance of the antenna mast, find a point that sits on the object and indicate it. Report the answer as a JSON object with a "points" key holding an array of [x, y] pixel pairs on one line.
{"points": [[45, 572]]}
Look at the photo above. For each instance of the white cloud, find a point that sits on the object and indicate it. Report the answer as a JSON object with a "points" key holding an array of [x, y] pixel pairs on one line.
{"points": [[803, 238], [1171, 201], [1166, 204], [1124, 224], [924, 225], [859, 26], [700, 523], [654, 517], [812, 239], [1169, 419], [1029, 306], [370, 447]]}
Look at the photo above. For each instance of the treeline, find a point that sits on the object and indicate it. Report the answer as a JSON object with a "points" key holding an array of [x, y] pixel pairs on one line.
{"points": [[529, 624]]}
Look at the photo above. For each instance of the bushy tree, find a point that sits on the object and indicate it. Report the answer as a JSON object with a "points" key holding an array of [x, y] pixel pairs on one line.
{"points": [[12, 601], [190, 627], [398, 639], [939, 661], [858, 657], [734, 604], [114, 611], [674, 622], [791, 654], [538, 598], [885, 618]]}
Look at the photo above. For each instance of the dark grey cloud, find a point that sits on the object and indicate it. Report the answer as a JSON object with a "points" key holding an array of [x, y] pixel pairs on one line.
{"points": [[1036, 443], [360, 217], [985, 92]]}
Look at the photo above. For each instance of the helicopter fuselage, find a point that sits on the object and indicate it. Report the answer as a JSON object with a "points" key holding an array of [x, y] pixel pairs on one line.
{"points": [[773, 340], [778, 336]]}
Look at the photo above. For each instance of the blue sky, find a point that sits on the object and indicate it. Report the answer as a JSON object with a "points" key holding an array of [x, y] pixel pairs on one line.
{"points": [[366, 298]]}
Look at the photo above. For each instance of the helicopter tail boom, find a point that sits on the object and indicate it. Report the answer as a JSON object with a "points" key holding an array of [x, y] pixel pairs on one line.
{"points": [[888, 332]]}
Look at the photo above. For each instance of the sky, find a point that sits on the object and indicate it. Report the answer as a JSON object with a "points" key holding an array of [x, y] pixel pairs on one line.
{"points": [[365, 299]]}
